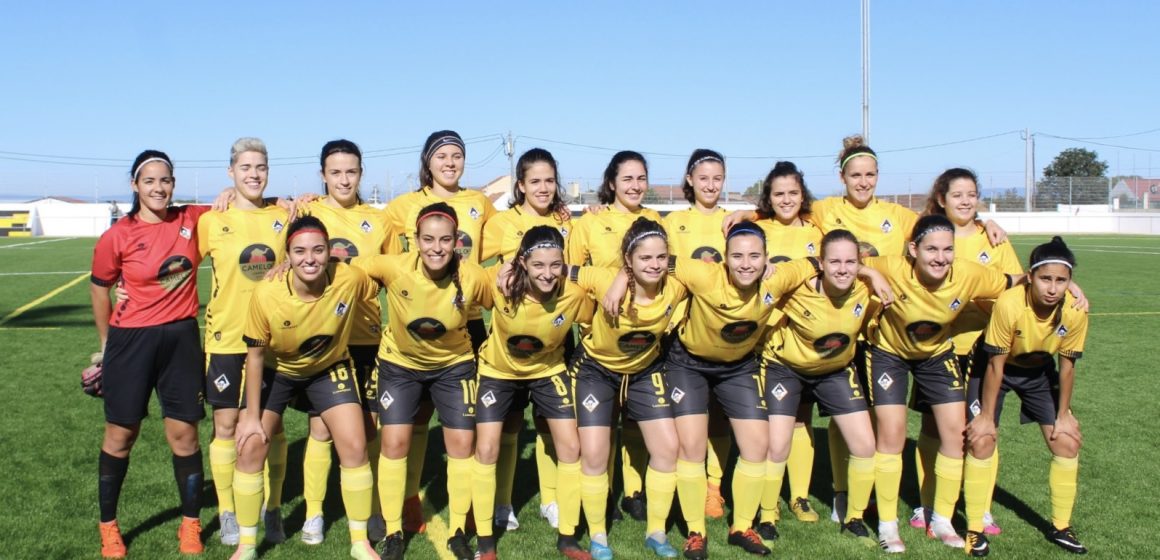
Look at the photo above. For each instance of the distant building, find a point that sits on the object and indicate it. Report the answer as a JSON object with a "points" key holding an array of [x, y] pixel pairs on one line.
{"points": [[1135, 189]]}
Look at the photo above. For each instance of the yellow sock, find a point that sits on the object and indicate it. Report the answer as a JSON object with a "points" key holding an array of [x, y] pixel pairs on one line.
{"points": [[839, 457], [459, 492], [659, 490], [691, 491], [634, 459], [483, 495], [976, 488], [546, 468], [594, 497], [860, 483], [357, 485], [749, 480], [770, 490], [275, 471], [948, 474], [568, 475], [374, 451], [1063, 478], [392, 477], [505, 468], [925, 452], [248, 498], [415, 457], [718, 457], [223, 455], [994, 478], [887, 479], [316, 460], [800, 464]]}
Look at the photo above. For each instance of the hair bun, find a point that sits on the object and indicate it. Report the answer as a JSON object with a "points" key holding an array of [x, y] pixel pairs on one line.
{"points": [[853, 141]]}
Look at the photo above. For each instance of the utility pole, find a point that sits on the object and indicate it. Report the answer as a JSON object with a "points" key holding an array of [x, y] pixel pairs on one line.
{"points": [[866, 71], [509, 148], [1028, 169]]}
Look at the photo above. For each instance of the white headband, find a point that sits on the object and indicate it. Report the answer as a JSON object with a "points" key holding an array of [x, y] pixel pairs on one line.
{"points": [[1051, 261], [703, 160], [542, 245], [638, 238], [148, 161]]}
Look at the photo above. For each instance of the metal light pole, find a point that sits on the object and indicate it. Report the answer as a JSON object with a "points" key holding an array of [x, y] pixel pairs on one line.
{"points": [[1028, 169], [509, 148], [866, 71]]}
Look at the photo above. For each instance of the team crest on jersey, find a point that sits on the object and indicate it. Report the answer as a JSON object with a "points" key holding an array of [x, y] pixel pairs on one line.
{"points": [[474, 213], [524, 346], [956, 304], [707, 254], [636, 342], [365, 226], [590, 402], [426, 328], [386, 400], [341, 309], [811, 248], [858, 310], [984, 258], [831, 344], [558, 321], [174, 272], [921, 331], [278, 226], [222, 383], [887, 226], [768, 299], [1061, 331], [488, 399], [342, 250], [740, 331], [255, 260], [185, 232], [563, 231], [315, 346], [668, 311], [779, 391], [677, 395]]}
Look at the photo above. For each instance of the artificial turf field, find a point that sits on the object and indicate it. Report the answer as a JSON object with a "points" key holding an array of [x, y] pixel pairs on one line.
{"points": [[49, 443]]}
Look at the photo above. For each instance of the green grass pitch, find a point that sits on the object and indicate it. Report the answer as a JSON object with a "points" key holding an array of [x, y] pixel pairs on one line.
{"points": [[51, 436]]}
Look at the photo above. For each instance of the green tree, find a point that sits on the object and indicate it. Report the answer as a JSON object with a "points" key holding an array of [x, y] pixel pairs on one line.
{"points": [[1075, 176], [754, 190]]}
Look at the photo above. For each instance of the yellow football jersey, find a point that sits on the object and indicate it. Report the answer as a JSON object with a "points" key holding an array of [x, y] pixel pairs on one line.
{"points": [[882, 228], [244, 244], [303, 338], [1031, 342], [425, 330], [696, 235], [528, 342], [504, 232], [819, 334], [355, 231], [977, 248], [784, 243], [472, 208], [917, 325], [725, 325], [633, 342], [596, 238]]}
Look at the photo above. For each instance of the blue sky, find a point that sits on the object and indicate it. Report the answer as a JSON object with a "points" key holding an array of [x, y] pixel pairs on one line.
{"points": [[757, 81]]}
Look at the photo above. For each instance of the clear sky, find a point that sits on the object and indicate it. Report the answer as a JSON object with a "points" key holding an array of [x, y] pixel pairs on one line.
{"points": [[758, 81]]}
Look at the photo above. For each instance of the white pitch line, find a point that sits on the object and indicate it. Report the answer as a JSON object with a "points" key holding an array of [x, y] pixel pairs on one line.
{"points": [[36, 242], [43, 273]]}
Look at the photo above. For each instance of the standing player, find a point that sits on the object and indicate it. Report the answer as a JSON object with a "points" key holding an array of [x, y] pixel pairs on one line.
{"points": [[441, 166], [150, 342], [1028, 327], [522, 361], [536, 200], [596, 240], [355, 230], [244, 242], [426, 354], [297, 330]]}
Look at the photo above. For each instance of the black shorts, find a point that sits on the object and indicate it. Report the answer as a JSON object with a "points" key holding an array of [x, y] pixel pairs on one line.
{"points": [[839, 392], [936, 379], [600, 393], [366, 367], [337, 384], [224, 380], [553, 397], [973, 364], [1038, 389], [453, 390], [163, 358], [735, 384]]}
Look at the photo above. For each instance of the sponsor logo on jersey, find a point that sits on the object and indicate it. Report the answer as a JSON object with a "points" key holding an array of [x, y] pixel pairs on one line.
{"points": [[217, 335], [278, 226], [488, 399], [858, 309], [342, 250], [524, 346], [226, 230], [463, 245], [922, 331], [707, 254], [778, 259], [956, 304], [256, 260], [887, 226], [558, 321], [831, 344], [426, 328], [738, 332], [341, 308], [315, 346], [677, 395], [365, 226], [636, 342], [185, 232], [1034, 359], [174, 272], [779, 391], [590, 402], [984, 257]]}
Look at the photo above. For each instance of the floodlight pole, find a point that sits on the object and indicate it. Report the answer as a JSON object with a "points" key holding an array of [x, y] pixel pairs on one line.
{"points": [[1028, 169], [866, 71]]}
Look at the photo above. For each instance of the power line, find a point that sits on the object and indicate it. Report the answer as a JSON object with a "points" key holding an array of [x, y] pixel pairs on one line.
{"points": [[1082, 141]]}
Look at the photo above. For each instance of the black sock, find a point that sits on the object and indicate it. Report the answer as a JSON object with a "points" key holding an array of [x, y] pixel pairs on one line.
{"points": [[189, 474], [111, 476]]}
